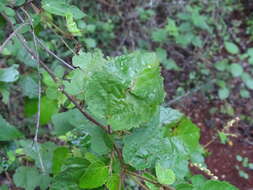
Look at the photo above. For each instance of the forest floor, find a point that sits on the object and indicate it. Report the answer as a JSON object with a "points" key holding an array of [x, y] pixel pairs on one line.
{"points": [[221, 158]]}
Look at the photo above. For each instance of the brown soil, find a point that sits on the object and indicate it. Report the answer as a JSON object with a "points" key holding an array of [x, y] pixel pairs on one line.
{"points": [[221, 159]]}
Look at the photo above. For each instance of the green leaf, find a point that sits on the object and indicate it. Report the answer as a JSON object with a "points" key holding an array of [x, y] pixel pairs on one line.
{"points": [[72, 169], [185, 187], [221, 65], [66, 121], [10, 74], [165, 176], [126, 91], [29, 178], [169, 115], [20, 2], [89, 62], [146, 146], [159, 35], [71, 25], [113, 182], [76, 85], [48, 107], [9, 12], [198, 180], [236, 70], [151, 186], [223, 93], [217, 185], [248, 80], [22, 178], [7, 131], [60, 155], [223, 137], [231, 48], [29, 86], [4, 187], [46, 152], [244, 93], [171, 146], [5, 92], [95, 176], [187, 132], [100, 141], [61, 7], [239, 158]]}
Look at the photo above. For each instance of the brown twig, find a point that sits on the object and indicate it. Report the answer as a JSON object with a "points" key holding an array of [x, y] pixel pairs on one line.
{"points": [[149, 180], [8, 177], [12, 35]]}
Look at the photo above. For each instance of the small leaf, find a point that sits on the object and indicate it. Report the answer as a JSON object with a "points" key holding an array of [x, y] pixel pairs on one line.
{"points": [[165, 176], [71, 25], [7, 131], [59, 156], [29, 86], [231, 48], [95, 176], [61, 7], [244, 93], [248, 80], [159, 35], [221, 65], [10, 74], [239, 158], [22, 178], [47, 109], [223, 93], [236, 70], [217, 185], [223, 137], [113, 182]]}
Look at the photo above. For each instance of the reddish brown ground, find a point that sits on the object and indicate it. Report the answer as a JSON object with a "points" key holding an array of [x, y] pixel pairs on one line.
{"points": [[222, 158]]}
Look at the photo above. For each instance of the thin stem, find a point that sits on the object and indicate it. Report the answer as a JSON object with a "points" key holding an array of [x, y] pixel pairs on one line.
{"points": [[48, 50], [149, 180], [87, 115], [39, 91], [140, 183], [12, 35], [54, 55]]}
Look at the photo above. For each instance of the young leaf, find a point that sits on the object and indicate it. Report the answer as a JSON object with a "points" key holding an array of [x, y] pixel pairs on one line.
{"points": [[231, 48], [223, 137], [126, 91], [72, 169], [95, 176], [145, 146], [223, 93], [47, 109], [236, 70], [217, 185], [29, 178], [66, 121], [46, 152], [165, 176], [71, 25], [248, 80], [29, 86], [113, 182], [10, 74], [221, 65], [59, 156], [61, 7], [187, 132], [7, 131]]}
